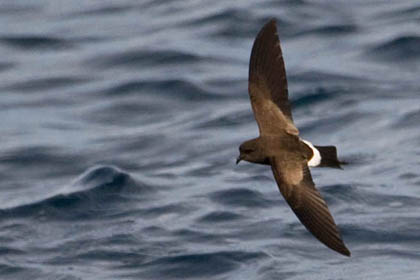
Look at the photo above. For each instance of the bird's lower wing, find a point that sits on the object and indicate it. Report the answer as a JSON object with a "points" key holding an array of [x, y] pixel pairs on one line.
{"points": [[295, 184]]}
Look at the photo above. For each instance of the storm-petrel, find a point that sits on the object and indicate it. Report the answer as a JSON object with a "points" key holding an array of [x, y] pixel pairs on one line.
{"points": [[279, 144]]}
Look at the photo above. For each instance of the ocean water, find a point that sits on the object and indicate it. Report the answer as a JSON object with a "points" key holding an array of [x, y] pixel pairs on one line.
{"points": [[120, 123]]}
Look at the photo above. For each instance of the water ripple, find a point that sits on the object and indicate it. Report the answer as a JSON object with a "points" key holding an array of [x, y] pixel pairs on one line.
{"points": [[144, 58], [179, 88], [220, 217], [32, 42], [45, 84], [199, 265], [402, 49], [241, 198]]}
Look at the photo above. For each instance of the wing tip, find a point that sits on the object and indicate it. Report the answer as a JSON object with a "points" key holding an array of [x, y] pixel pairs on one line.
{"points": [[336, 244], [344, 251], [270, 26], [265, 50], [271, 22]]}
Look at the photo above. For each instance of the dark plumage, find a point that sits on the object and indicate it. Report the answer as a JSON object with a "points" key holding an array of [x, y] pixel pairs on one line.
{"points": [[279, 144]]}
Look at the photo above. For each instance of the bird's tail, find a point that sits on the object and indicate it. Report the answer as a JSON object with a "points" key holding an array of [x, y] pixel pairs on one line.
{"points": [[329, 157]]}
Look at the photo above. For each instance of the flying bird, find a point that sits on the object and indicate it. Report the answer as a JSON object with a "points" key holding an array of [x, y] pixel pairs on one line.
{"points": [[279, 144]]}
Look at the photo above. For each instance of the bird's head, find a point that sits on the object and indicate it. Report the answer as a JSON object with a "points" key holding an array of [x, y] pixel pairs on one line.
{"points": [[248, 151]]}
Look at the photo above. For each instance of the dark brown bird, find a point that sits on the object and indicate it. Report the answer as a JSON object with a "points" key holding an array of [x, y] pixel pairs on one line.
{"points": [[279, 144]]}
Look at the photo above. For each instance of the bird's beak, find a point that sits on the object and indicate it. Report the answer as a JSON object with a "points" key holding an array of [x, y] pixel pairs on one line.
{"points": [[238, 159]]}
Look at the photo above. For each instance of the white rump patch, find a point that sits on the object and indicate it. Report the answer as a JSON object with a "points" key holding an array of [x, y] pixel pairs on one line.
{"points": [[316, 157]]}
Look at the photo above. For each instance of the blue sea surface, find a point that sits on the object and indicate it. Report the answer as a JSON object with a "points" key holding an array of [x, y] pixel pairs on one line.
{"points": [[120, 123]]}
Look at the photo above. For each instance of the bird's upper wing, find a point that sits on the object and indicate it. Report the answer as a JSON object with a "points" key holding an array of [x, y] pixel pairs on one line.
{"points": [[268, 84], [295, 184]]}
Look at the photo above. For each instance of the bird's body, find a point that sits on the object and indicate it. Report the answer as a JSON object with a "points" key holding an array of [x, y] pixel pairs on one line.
{"points": [[279, 144], [269, 146]]}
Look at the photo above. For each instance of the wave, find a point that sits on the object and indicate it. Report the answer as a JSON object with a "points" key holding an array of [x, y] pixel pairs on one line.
{"points": [[404, 48], [219, 217], [340, 195], [316, 76], [225, 119], [36, 42], [143, 58], [176, 88], [100, 191], [241, 197], [199, 265], [6, 66], [334, 123], [408, 120], [45, 84], [330, 30], [227, 23], [320, 95]]}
